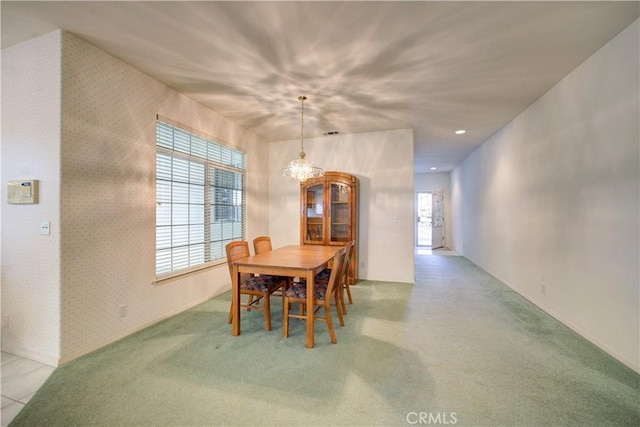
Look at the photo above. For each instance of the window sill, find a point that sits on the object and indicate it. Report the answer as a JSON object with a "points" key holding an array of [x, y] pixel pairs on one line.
{"points": [[179, 274]]}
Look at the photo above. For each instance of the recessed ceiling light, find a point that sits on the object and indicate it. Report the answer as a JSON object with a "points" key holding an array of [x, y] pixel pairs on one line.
{"points": [[460, 131], [434, 168]]}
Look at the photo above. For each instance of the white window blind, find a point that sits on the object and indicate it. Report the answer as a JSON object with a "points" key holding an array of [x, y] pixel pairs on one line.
{"points": [[200, 199]]}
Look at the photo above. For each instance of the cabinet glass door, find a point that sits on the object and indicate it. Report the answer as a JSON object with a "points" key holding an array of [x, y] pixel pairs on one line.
{"points": [[314, 214], [340, 212]]}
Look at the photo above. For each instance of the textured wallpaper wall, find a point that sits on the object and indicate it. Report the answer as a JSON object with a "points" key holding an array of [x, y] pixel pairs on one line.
{"points": [[108, 198], [84, 123]]}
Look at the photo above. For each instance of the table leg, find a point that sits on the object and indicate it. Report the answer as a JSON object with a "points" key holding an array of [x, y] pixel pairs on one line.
{"points": [[310, 308], [235, 301]]}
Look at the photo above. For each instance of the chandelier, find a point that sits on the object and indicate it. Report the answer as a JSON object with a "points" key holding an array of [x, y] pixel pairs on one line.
{"points": [[301, 168]]}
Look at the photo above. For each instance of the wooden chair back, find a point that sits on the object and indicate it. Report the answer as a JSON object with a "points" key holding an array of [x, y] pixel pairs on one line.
{"points": [[350, 249], [262, 244], [337, 272], [344, 280], [236, 250]]}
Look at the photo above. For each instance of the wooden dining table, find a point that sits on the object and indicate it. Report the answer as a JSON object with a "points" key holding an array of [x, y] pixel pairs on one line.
{"points": [[304, 261]]}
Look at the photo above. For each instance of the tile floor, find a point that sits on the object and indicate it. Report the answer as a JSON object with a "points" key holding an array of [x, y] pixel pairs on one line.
{"points": [[21, 378]]}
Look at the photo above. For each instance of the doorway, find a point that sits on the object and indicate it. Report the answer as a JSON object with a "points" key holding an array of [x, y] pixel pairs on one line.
{"points": [[430, 219], [424, 222]]}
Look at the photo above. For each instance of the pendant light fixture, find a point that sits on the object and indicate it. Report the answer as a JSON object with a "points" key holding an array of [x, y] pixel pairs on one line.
{"points": [[301, 168]]}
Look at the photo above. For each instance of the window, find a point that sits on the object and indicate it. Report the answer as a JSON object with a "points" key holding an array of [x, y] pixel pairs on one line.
{"points": [[200, 199]]}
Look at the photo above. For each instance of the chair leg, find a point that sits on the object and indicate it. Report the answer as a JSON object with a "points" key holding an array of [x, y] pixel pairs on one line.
{"points": [[342, 304], [267, 312], [348, 288], [339, 308], [285, 319], [285, 287], [230, 318], [283, 304], [327, 311], [251, 302]]}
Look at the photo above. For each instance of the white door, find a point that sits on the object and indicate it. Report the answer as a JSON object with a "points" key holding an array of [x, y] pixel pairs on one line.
{"points": [[424, 206], [437, 219]]}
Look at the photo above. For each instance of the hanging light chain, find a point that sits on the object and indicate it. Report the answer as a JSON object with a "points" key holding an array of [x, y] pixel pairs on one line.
{"points": [[302, 98], [301, 168]]}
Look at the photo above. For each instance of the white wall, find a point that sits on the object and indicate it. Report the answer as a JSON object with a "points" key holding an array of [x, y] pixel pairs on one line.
{"points": [[106, 201], [31, 150], [550, 204], [425, 182], [383, 162]]}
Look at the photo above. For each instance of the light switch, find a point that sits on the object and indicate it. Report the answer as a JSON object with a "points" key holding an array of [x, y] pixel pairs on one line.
{"points": [[45, 227]]}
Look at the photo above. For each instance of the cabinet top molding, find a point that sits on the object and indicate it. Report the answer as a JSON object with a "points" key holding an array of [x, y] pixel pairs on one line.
{"points": [[330, 176]]}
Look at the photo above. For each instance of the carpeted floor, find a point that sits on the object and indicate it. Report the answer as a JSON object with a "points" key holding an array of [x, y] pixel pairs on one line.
{"points": [[458, 347]]}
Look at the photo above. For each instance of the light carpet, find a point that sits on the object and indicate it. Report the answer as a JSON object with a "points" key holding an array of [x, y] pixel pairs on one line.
{"points": [[457, 347]]}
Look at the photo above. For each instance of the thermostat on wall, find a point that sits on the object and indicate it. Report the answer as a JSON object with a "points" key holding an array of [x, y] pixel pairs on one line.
{"points": [[22, 192]]}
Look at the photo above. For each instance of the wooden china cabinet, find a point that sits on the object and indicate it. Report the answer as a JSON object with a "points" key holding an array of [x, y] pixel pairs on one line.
{"points": [[329, 213]]}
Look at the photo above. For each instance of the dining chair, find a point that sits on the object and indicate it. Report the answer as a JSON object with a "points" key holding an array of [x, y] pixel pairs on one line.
{"points": [[263, 244], [297, 294], [345, 286], [343, 283], [322, 279], [256, 287]]}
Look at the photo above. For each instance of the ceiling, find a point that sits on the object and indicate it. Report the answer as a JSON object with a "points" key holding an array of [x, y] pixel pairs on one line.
{"points": [[434, 67]]}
